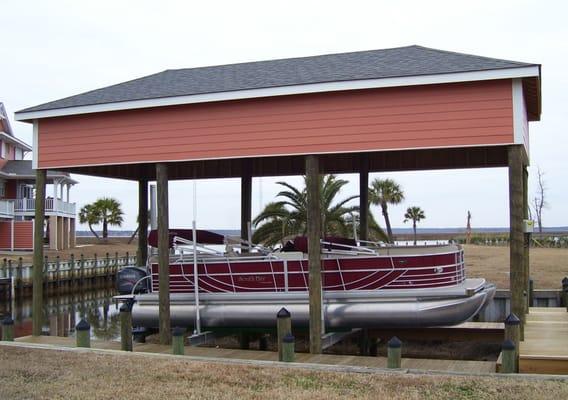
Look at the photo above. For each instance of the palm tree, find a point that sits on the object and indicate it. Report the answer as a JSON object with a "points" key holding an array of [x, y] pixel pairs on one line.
{"points": [[109, 212], [416, 214], [89, 215], [282, 219], [384, 192]]}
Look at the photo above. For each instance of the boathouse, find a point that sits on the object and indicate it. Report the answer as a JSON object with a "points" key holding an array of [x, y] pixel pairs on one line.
{"points": [[400, 109], [17, 198]]}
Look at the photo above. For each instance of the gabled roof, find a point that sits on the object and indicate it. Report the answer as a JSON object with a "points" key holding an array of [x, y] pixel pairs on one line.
{"points": [[4, 121], [22, 169], [410, 61]]}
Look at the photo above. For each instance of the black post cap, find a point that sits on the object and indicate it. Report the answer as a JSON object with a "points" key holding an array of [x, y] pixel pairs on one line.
{"points": [[83, 325], [283, 313], [565, 281], [512, 319], [289, 338], [394, 343], [178, 331], [508, 345], [7, 320]]}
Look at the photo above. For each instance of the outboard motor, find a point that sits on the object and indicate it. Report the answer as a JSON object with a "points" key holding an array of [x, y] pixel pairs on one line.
{"points": [[127, 278]]}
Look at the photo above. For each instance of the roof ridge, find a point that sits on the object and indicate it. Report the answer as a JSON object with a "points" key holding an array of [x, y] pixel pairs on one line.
{"points": [[291, 58]]}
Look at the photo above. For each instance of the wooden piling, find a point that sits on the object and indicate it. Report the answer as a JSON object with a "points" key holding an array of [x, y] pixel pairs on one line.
{"points": [[8, 329], [82, 268], [20, 277], [126, 326], [288, 344], [73, 278], [531, 292], [283, 327], [363, 197], [564, 293], [394, 353], [263, 342], [37, 273], [526, 241], [178, 338], [518, 286], [57, 273], [508, 357], [83, 333], [314, 252], [142, 251], [246, 199], [513, 332], [163, 253]]}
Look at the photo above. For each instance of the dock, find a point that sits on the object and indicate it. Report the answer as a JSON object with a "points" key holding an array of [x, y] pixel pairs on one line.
{"points": [[251, 355], [545, 348]]}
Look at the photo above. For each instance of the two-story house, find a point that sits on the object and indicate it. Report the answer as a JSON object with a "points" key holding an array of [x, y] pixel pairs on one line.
{"points": [[17, 198]]}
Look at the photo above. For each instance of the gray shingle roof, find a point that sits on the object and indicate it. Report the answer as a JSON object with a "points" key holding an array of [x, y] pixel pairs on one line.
{"points": [[373, 64], [24, 169]]}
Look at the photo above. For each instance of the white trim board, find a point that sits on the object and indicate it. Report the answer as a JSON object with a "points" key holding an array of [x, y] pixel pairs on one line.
{"points": [[505, 73]]}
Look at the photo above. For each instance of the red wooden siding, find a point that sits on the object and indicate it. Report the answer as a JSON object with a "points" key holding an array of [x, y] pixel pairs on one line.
{"points": [[23, 235], [464, 114]]}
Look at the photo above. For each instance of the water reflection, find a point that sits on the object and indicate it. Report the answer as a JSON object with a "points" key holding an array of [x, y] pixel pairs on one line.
{"points": [[62, 312]]}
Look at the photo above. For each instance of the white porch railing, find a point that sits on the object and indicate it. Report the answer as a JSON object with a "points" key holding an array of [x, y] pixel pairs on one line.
{"points": [[51, 205], [6, 208]]}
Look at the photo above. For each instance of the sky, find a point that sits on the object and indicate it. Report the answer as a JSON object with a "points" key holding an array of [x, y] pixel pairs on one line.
{"points": [[54, 49]]}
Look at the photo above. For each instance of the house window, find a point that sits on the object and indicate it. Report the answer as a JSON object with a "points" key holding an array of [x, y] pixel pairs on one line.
{"points": [[3, 151], [18, 153], [2, 189]]}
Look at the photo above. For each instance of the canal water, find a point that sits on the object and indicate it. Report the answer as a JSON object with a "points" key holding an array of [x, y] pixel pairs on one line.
{"points": [[62, 312]]}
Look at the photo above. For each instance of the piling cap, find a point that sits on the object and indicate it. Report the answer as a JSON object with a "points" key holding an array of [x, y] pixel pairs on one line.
{"points": [[565, 281], [512, 319], [508, 345], [289, 338], [178, 331], [283, 313], [83, 325], [7, 320], [394, 343]]}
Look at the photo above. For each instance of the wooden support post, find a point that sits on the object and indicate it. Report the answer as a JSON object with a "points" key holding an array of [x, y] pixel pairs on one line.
{"points": [[288, 344], [513, 333], [72, 276], [83, 333], [314, 252], [37, 272], [126, 326], [508, 357], [178, 347], [142, 252], [20, 277], [364, 197], [531, 292], [163, 253], [526, 239], [263, 342], [394, 353], [8, 329], [82, 267], [57, 273], [364, 343], [517, 285], [246, 200], [244, 340], [283, 327]]}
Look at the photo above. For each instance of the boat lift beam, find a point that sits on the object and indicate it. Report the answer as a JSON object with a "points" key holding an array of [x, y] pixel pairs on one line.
{"points": [[331, 338]]}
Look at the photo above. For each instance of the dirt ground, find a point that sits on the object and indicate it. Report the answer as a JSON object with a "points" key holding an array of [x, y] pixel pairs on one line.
{"points": [[46, 374], [548, 265]]}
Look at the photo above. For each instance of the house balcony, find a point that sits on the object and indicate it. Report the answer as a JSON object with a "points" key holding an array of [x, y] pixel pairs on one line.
{"points": [[6, 209], [26, 207]]}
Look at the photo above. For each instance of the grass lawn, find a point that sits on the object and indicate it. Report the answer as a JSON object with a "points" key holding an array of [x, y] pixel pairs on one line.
{"points": [[46, 374]]}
